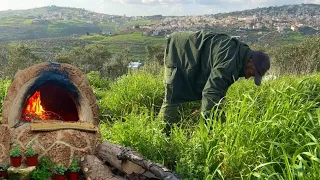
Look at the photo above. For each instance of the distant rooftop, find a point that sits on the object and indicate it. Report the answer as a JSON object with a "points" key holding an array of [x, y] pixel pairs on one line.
{"points": [[135, 65]]}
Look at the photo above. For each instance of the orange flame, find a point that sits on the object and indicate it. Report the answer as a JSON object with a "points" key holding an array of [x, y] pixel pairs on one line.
{"points": [[34, 106]]}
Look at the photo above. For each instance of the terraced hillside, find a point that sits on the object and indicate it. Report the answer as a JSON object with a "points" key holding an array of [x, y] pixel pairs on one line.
{"points": [[49, 22], [136, 42], [47, 48]]}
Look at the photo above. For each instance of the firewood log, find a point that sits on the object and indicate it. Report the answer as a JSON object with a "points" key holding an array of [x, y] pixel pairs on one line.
{"points": [[94, 169], [131, 162]]}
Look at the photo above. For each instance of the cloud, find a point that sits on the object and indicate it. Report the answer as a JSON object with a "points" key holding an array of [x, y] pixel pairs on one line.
{"points": [[218, 2], [145, 2], [313, 1], [197, 2], [221, 3]]}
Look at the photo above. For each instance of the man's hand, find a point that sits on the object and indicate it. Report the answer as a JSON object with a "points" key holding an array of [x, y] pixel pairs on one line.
{"points": [[196, 112]]}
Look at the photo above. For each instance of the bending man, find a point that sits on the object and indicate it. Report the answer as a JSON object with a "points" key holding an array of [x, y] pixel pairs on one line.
{"points": [[202, 66]]}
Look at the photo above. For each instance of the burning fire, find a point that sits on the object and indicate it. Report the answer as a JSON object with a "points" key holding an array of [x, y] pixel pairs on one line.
{"points": [[34, 108]]}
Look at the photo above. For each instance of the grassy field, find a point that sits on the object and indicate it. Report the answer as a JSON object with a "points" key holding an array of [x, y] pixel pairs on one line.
{"points": [[134, 41], [271, 131], [292, 38], [137, 22], [47, 47]]}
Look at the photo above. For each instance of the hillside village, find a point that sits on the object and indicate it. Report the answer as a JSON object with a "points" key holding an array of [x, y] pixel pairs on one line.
{"points": [[52, 29], [302, 17], [292, 17]]}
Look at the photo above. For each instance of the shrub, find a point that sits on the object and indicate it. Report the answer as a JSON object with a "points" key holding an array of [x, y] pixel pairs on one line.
{"points": [[74, 166], [29, 151], [5, 167], [43, 170], [97, 81], [15, 151], [59, 169], [88, 58], [301, 58]]}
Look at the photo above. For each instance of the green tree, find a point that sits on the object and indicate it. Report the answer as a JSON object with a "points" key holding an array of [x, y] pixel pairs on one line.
{"points": [[300, 58], [3, 59], [155, 53], [19, 57], [88, 58], [118, 64]]}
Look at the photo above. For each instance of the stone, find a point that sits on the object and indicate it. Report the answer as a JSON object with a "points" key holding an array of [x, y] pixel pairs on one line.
{"points": [[60, 153], [81, 153], [26, 136], [4, 143], [21, 173], [47, 139], [74, 138], [37, 148], [16, 132], [94, 139], [5, 112], [4, 157], [4, 134]]}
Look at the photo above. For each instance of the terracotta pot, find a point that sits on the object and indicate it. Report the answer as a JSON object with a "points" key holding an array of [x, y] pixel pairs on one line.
{"points": [[4, 174], [74, 176], [32, 160], [59, 177], [16, 161]]}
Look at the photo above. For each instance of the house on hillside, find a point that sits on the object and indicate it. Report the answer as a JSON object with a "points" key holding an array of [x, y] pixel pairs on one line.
{"points": [[135, 65], [147, 33], [158, 33]]}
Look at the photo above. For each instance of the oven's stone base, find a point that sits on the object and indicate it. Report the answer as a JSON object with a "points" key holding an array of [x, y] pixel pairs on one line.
{"points": [[61, 146]]}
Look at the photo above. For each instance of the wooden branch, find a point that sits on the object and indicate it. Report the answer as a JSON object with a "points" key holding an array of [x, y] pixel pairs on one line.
{"points": [[108, 152], [51, 125], [131, 162], [94, 169], [157, 169]]}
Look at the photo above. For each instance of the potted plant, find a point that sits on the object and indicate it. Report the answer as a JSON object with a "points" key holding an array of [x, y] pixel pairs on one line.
{"points": [[4, 171], [74, 169], [31, 156], [59, 172], [15, 156]]}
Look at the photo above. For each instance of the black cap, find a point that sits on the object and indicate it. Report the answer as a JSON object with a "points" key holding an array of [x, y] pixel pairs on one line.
{"points": [[261, 62]]}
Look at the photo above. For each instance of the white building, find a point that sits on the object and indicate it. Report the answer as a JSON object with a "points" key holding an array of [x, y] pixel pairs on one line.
{"points": [[135, 65]]}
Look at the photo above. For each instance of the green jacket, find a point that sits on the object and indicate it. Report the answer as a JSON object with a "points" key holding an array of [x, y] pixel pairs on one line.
{"points": [[202, 66]]}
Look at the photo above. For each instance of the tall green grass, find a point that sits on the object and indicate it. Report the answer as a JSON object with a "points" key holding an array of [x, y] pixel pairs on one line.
{"points": [[271, 132], [132, 92], [4, 85]]}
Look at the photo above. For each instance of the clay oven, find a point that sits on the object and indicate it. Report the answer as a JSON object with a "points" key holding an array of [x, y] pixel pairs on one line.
{"points": [[53, 106]]}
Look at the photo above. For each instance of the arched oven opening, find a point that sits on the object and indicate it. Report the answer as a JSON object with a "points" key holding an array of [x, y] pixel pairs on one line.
{"points": [[52, 97]]}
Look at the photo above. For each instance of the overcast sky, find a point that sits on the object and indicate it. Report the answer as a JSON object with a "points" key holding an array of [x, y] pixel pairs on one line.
{"points": [[152, 7]]}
